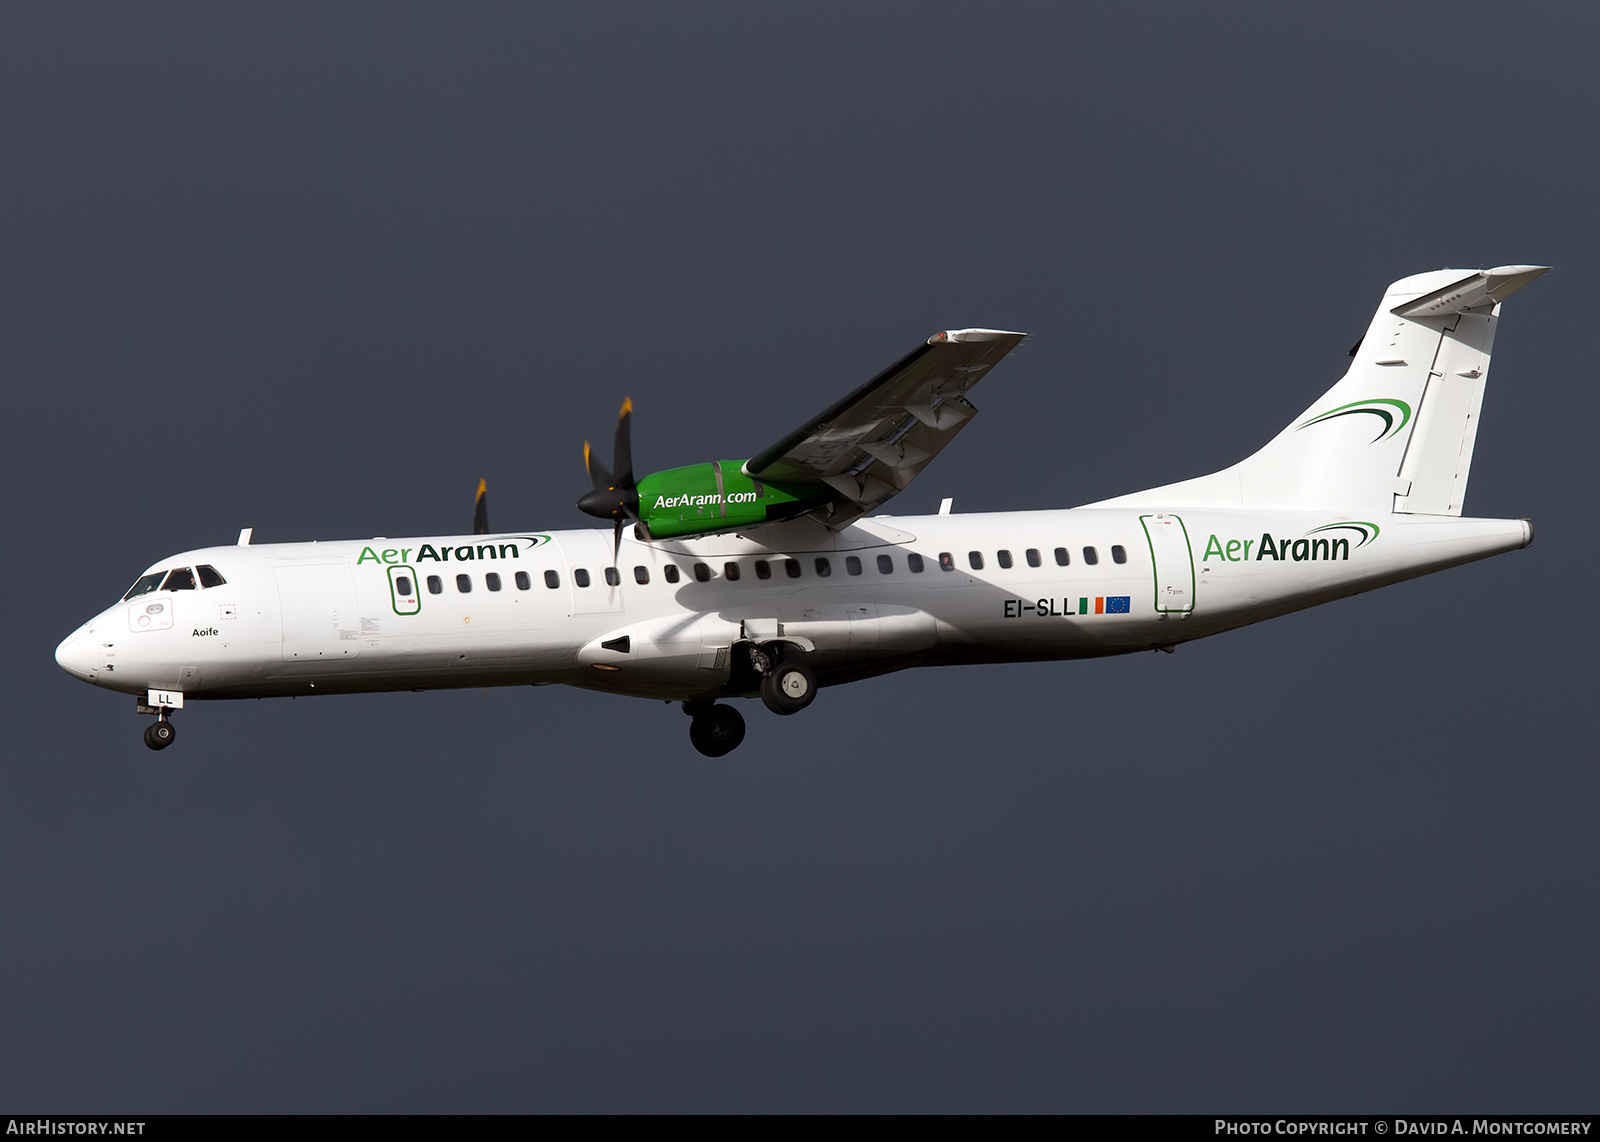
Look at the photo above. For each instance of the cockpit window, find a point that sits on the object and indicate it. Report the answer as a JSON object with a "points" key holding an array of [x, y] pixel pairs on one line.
{"points": [[179, 579], [209, 576], [145, 585]]}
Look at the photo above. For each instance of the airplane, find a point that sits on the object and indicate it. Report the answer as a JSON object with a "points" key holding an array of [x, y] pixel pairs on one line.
{"points": [[776, 575]]}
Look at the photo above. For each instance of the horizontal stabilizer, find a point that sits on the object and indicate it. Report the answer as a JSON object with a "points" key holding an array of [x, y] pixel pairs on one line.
{"points": [[1486, 287]]}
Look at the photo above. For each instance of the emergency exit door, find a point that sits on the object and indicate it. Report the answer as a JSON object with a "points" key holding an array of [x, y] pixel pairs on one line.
{"points": [[1173, 563]]}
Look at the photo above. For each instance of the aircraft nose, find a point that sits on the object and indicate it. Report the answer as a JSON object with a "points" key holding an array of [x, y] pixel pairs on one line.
{"points": [[76, 655]]}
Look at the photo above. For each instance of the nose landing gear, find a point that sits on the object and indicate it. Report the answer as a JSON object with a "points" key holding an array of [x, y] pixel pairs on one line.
{"points": [[159, 734]]}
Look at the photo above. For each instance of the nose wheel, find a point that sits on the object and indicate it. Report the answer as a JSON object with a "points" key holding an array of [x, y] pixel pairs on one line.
{"points": [[159, 734]]}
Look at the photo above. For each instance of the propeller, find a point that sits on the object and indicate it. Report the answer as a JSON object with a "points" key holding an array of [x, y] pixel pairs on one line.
{"points": [[480, 510], [614, 497]]}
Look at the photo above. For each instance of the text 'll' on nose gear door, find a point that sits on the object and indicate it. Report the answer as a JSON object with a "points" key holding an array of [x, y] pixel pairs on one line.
{"points": [[1173, 563]]}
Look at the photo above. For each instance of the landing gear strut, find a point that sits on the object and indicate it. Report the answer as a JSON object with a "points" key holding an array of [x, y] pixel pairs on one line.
{"points": [[716, 730], [159, 734]]}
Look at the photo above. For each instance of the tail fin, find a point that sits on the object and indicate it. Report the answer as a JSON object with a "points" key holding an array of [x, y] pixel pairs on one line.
{"points": [[1396, 434]]}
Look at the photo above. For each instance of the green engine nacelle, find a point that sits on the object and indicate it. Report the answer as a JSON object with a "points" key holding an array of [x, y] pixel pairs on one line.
{"points": [[702, 499]]}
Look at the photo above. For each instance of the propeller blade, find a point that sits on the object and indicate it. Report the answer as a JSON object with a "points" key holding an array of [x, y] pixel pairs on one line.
{"points": [[616, 541], [613, 497], [480, 510], [598, 475], [622, 454]]}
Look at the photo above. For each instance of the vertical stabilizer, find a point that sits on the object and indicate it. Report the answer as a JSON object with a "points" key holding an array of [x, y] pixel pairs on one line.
{"points": [[1396, 433]]}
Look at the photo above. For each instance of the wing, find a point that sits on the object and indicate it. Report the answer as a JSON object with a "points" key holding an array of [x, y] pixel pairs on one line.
{"points": [[871, 444]]}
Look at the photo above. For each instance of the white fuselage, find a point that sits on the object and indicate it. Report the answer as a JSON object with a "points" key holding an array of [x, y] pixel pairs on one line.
{"points": [[316, 618]]}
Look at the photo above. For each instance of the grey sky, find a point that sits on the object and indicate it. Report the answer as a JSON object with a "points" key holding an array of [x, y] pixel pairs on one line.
{"points": [[316, 269]]}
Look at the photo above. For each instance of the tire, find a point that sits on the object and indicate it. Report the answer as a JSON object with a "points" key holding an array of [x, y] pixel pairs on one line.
{"points": [[718, 731], [789, 688], [159, 735]]}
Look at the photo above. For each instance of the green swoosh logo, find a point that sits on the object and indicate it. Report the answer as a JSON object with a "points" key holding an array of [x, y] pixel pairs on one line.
{"points": [[1376, 407], [1367, 531], [532, 540]]}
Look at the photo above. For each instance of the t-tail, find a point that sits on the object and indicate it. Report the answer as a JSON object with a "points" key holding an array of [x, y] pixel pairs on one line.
{"points": [[1395, 435]]}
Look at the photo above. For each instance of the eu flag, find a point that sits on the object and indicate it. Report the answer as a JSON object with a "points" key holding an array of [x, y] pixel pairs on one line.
{"points": [[1118, 604]]}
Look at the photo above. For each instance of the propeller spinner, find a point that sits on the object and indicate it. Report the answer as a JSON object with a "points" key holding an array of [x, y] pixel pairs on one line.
{"points": [[614, 497]]}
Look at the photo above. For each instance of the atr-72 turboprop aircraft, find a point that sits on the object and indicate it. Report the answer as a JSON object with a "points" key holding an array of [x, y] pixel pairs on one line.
{"points": [[769, 576]]}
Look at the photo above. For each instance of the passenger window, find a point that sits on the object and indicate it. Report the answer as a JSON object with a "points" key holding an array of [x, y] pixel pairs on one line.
{"points": [[435, 585], [1091, 556], [791, 568], [852, 565], [145, 585], [671, 572], [824, 568], [464, 584], [523, 582], [914, 561], [1062, 558], [702, 573], [402, 585], [1033, 557], [763, 569], [641, 575], [209, 576], [580, 576], [552, 580], [1119, 554], [492, 580], [947, 562], [613, 577], [975, 558], [730, 571], [885, 565], [1003, 557], [179, 579]]}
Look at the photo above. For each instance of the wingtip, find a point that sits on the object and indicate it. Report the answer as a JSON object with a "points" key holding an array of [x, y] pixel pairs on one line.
{"points": [[966, 335]]}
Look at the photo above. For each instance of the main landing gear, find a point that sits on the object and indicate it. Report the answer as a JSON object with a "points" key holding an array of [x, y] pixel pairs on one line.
{"points": [[786, 683], [716, 730], [788, 687], [159, 734]]}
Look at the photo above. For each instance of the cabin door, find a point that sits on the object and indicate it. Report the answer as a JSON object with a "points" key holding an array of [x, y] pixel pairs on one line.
{"points": [[318, 601], [1173, 563]]}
